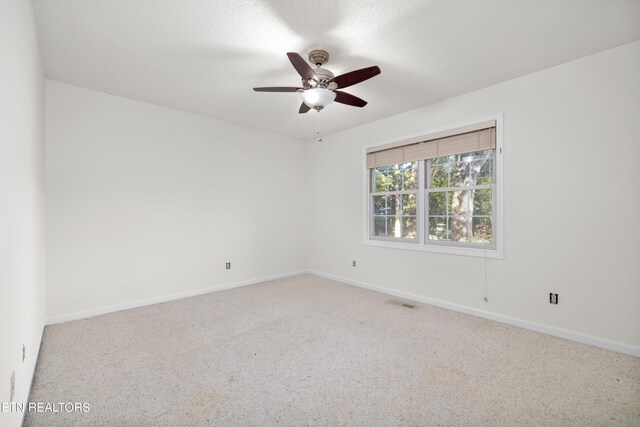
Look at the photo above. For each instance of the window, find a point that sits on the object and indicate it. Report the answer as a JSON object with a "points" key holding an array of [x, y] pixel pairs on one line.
{"points": [[394, 191], [460, 198], [437, 192]]}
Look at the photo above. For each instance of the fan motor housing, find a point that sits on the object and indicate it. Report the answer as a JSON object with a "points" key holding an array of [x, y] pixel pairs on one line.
{"points": [[323, 74]]}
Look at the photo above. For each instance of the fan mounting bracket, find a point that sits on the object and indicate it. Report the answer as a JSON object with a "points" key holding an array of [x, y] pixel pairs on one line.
{"points": [[318, 57]]}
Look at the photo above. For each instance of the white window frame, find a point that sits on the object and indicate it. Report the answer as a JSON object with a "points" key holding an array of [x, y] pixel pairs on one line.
{"points": [[422, 244]]}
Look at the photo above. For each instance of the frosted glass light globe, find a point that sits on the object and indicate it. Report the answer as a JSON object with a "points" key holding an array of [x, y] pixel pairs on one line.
{"points": [[318, 97]]}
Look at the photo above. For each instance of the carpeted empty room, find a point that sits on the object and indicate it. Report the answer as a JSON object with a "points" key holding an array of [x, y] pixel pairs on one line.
{"points": [[338, 213], [306, 350]]}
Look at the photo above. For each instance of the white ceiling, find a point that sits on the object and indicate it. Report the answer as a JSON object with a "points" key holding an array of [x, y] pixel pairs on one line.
{"points": [[206, 56]]}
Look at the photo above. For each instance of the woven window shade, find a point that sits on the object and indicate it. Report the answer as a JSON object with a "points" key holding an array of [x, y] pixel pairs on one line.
{"points": [[476, 140]]}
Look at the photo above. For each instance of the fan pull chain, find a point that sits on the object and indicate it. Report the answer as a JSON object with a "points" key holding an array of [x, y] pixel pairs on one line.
{"points": [[318, 126], [486, 298]]}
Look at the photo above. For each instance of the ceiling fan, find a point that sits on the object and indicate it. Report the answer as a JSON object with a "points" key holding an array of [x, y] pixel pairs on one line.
{"points": [[319, 86]]}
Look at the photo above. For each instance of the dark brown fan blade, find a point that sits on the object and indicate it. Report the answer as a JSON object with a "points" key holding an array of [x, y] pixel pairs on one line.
{"points": [[357, 76], [304, 108], [277, 89], [301, 66], [347, 98]]}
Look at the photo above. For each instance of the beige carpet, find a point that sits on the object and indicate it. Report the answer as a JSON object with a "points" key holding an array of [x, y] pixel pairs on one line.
{"points": [[309, 351]]}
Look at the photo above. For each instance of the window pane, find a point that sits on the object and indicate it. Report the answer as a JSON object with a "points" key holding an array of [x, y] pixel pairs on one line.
{"points": [[380, 205], [379, 226], [409, 227], [459, 174], [486, 172], [438, 228], [393, 205], [393, 227], [460, 202], [410, 176], [408, 204], [405, 176], [477, 156], [480, 167], [395, 216], [399, 177], [384, 205], [438, 203], [482, 202], [382, 179], [384, 226], [439, 176], [462, 169], [460, 228], [439, 160], [482, 230]]}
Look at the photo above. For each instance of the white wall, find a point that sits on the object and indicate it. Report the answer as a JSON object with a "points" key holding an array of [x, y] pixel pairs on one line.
{"points": [[572, 146], [21, 201], [145, 201]]}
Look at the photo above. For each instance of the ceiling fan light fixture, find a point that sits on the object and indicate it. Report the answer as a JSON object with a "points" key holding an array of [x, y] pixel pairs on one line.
{"points": [[318, 98], [319, 86]]}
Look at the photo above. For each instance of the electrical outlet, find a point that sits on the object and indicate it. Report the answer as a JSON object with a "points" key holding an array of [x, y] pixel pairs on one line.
{"points": [[228, 266], [553, 298], [353, 263]]}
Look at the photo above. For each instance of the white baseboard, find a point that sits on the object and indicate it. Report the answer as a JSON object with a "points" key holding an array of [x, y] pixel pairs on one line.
{"points": [[525, 324], [34, 367], [164, 298]]}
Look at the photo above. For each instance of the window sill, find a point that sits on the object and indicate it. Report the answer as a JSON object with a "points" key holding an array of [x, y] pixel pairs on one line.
{"points": [[441, 249]]}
